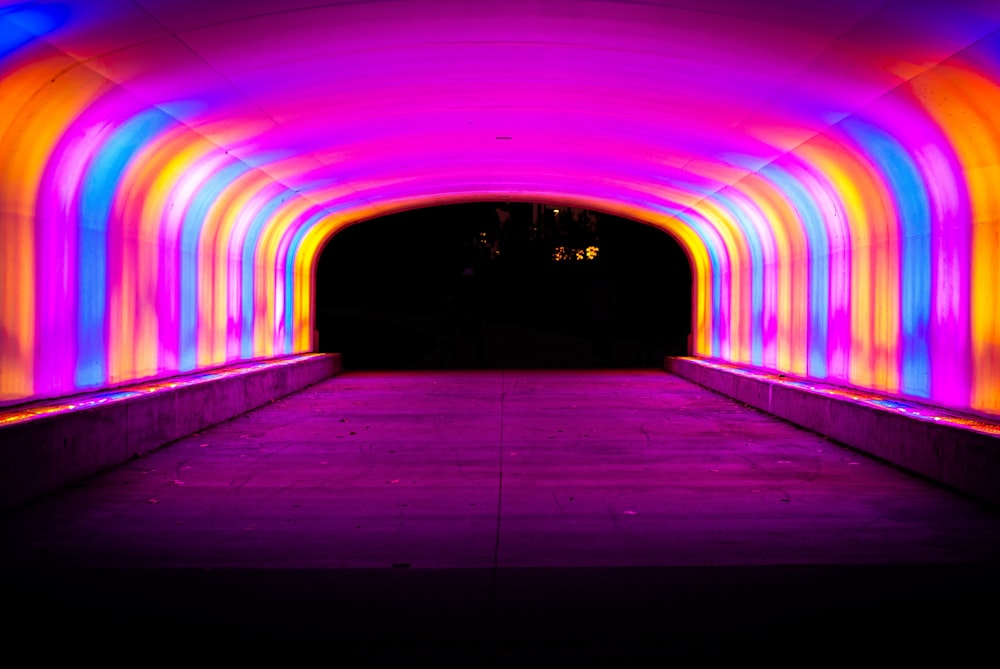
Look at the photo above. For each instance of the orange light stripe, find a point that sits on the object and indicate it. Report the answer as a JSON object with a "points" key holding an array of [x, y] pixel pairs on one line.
{"points": [[964, 106], [53, 92]]}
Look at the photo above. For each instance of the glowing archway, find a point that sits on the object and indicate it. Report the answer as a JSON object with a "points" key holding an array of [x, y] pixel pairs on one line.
{"points": [[169, 168]]}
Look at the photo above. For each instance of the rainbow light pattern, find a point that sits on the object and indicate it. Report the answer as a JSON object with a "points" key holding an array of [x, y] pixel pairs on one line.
{"points": [[170, 170]]}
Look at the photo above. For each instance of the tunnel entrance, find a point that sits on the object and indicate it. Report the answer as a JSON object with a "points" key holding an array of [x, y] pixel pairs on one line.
{"points": [[502, 285]]}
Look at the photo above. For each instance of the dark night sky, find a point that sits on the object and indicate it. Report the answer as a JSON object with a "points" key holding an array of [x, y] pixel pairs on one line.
{"points": [[391, 292]]}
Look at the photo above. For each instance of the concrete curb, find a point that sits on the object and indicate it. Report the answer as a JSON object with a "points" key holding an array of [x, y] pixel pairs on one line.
{"points": [[52, 444], [960, 452]]}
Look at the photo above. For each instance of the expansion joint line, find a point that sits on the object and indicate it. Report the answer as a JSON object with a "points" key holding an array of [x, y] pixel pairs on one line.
{"points": [[496, 541]]}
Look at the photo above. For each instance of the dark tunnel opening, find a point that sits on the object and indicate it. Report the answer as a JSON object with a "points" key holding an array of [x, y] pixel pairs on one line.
{"points": [[511, 285]]}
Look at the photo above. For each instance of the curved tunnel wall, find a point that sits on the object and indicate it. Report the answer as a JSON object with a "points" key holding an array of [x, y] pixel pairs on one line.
{"points": [[169, 171]]}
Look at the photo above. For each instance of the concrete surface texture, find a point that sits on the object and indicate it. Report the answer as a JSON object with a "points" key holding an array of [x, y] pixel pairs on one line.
{"points": [[960, 451], [46, 445], [603, 517]]}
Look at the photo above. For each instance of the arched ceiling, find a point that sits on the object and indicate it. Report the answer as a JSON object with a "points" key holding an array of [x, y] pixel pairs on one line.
{"points": [[385, 99], [765, 134]]}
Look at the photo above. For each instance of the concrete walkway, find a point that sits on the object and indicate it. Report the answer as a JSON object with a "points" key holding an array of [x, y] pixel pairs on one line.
{"points": [[578, 517]]}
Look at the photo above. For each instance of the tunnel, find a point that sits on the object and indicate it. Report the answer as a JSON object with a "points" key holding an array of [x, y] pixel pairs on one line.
{"points": [[169, 170]]}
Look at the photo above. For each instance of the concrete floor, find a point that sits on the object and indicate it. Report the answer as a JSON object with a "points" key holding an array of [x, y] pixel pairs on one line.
{"points": [[577, 517]]}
